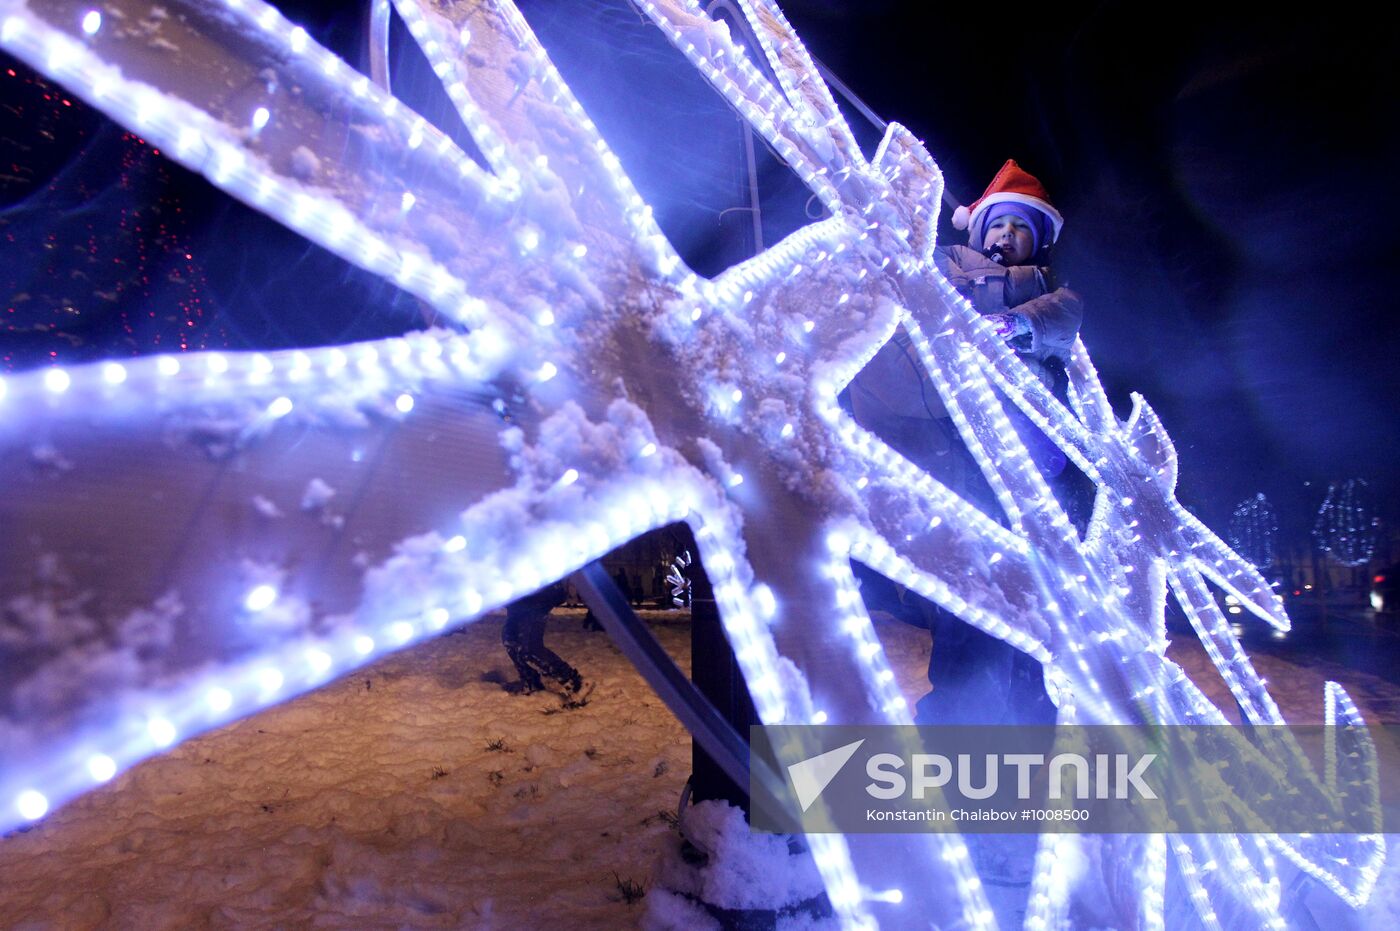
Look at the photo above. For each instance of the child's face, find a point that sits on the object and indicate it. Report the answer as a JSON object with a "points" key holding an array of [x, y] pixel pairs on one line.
{"points": [[1014, 236]]}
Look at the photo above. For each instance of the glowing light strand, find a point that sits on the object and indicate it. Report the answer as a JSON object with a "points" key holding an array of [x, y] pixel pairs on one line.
{"points": [[831, 294], [1346, 525], [1253, 528]]}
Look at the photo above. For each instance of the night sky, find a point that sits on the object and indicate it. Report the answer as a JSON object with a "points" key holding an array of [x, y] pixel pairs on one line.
{"points": [[1225, 174], [1227, 178]]}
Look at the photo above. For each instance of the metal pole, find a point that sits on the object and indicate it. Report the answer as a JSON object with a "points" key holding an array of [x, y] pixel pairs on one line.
{"points": [[725, 746], [379, 43]]}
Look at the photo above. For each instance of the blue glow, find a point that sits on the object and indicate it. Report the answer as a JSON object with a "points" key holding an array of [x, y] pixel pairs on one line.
{"points": [[57, 381], [1096, 626], [161, 731], [32, 805], [260, 598], [101, 767]]}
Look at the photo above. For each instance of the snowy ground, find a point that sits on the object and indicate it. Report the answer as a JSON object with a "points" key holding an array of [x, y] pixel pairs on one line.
{"points": [[421, 794], [418, 793]]}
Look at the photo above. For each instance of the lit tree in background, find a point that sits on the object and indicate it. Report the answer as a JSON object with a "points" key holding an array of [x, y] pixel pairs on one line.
{"points": [[1253, 529], [1346, 523]]}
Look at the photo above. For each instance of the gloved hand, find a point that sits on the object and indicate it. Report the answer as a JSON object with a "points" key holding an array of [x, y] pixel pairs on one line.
{"points": [[1009, 326]]}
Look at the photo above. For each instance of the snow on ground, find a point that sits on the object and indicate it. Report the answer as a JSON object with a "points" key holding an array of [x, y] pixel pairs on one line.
{"points": [[419, 793], [1298, 692], [1296, 689]]}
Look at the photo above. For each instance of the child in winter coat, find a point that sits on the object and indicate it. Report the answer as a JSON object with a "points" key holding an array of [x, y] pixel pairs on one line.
{"points": [[1004, 272]]}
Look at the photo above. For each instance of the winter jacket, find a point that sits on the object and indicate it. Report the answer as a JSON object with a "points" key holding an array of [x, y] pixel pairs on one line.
{"points": [[894, 397], [1054, 314], [895, 384]]}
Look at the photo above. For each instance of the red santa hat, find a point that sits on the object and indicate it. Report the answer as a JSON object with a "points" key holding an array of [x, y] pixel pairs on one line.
{"points": [[1012, 184]]}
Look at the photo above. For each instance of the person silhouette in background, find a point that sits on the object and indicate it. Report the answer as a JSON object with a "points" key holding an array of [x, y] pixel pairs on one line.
{"points": [[538, 666]]}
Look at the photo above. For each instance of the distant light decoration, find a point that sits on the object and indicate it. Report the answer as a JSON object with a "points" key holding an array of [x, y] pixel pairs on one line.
{"points": [[1347, 527], [486, 247], [1253, 530], [678, 581]]}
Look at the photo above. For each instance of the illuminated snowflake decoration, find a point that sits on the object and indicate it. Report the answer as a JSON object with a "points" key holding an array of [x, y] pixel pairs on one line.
{"points": [[256, 523]]}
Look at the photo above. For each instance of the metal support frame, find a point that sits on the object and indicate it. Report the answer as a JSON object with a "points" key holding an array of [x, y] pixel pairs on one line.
{"points": [[697, 714]]}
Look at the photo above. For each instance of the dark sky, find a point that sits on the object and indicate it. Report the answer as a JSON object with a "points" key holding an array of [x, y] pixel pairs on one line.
{"points": [[1226, 175]]}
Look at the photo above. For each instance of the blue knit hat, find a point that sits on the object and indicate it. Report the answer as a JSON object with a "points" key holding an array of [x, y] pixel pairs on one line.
{"points": [[1038, 221]]}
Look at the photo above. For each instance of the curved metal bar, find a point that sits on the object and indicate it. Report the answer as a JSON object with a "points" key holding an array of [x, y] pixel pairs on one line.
{"points": [[736, 17]]}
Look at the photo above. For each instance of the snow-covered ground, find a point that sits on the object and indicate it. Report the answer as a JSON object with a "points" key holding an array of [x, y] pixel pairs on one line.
{"points": [[419, 793]]}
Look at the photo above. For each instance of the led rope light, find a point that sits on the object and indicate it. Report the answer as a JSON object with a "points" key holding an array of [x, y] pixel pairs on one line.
{"points": [[535, 289]]}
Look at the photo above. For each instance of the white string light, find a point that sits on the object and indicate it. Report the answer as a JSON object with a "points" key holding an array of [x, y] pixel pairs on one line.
{"points": [[1253, 527], [759, 355], [1346, 525]]}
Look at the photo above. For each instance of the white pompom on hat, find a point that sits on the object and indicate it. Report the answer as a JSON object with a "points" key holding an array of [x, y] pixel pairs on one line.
{"points": [[1015, 185]]}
